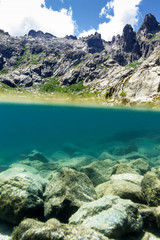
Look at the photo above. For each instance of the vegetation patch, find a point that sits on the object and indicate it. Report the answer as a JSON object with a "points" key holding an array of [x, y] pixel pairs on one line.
{"points": [[3, 71], [78, 64], [152, 37], [123, 94], [78, 89], [28, 58], [53, 85], [135, 64]]}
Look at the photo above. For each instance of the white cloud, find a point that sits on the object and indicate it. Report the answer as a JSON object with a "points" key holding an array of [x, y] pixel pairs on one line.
{"points": [[19, 16], [86, 33], [103, 12], [124, 12]]}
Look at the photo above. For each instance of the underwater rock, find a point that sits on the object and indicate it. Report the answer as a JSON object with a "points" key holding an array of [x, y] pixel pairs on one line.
{"points": [[66, 192], [70, 148], [110, 215], [149, 217], [17, 169], [99, 171], [3, 237], [121, 149], [140, 165], [151, 189], [45, 170], [20, 196], [106, 155], [76, 162], [35, 155], [127, 186], [122, 168], [30, 229], [3, 168], [59, 155], [150, 236]]}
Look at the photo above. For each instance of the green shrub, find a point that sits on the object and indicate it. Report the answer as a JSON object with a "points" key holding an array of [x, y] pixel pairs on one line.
{"points": [[123, 94], [53, 85], [3, 71], [50, 86], [135, 64], [106, 95]]}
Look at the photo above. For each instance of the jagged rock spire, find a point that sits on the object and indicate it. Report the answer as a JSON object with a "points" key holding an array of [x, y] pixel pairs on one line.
{"points": [[149, 25]]}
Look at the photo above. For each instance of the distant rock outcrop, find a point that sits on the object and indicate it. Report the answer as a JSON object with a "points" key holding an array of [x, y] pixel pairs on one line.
{"points": [[40, 34], [95, 43], [149, 26]]}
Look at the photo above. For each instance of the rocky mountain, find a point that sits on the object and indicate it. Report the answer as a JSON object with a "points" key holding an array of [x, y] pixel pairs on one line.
{"points": [[125, 69]]}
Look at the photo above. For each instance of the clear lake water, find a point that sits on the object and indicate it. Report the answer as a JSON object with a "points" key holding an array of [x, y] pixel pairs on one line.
{"points": [[77, 131]]}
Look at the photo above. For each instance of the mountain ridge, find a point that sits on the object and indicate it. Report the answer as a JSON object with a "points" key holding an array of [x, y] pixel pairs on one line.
{"points": [[43, 62]]}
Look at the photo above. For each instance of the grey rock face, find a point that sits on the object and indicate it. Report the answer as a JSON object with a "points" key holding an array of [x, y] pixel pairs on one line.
{"points": [[149, 25], [94, 43], [30, 229], [66, 192], [20, 196], [109, 215], [39, 34]]}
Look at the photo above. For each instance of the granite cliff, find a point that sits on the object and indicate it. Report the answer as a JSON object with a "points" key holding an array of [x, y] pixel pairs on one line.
{"points": [[125, 69]]}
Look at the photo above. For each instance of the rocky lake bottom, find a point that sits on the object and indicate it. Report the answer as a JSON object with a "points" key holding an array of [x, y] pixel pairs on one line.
{"points": [[71, 172]]}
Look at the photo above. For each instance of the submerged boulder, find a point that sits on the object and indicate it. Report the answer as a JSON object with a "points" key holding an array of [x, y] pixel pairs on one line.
{"points": [[20, 196], [98, 171], [127, 186], [150, 236], [151, 189], [30, 229], [110, 215], [66, 192], [140, 165], [35, 155], [3, 237]]}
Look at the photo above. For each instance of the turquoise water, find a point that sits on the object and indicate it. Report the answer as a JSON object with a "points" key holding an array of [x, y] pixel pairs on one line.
{"points": [[76, 131]]}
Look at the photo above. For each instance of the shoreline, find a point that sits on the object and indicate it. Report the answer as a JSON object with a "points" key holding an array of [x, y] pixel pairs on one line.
{"points": [[70, 101]]}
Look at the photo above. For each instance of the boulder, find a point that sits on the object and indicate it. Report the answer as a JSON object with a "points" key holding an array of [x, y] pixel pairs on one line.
{"points": [[4, 237], [150, 220], [30, 229], [150, 236], [140, 165], [127, 186], [16, 169], [110, 215], [76, 162], [98, 171], [66, 192], [20, 196], [122, 168], [43, 169], [151, 189], [36, 155]]}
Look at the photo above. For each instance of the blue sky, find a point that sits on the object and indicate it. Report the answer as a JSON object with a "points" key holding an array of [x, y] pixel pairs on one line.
{"points": [[76, 17]]}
